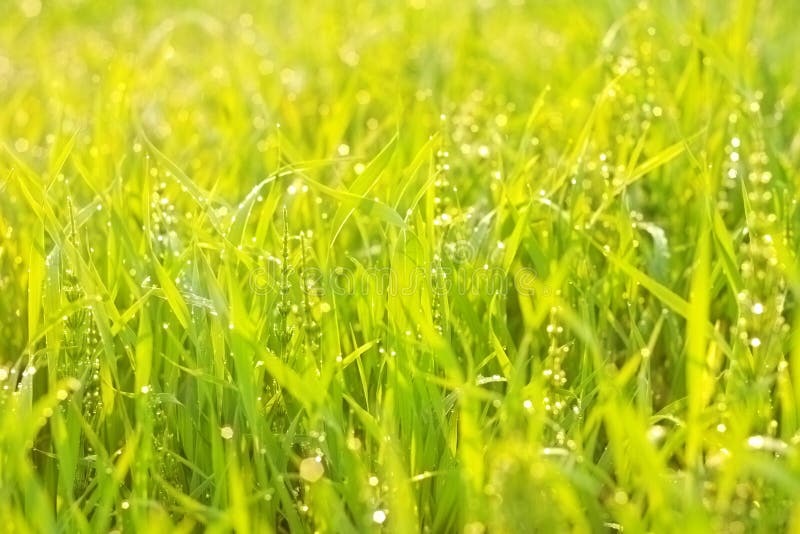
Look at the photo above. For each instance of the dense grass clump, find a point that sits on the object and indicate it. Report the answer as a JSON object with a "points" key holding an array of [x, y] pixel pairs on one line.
{"points": [[480, 267]]}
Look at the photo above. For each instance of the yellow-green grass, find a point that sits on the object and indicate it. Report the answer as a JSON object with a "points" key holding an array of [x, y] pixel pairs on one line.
{"points": [[436, 266]]}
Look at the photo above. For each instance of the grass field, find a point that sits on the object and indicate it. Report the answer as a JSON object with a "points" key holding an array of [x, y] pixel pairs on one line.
{"points": [[444, 267]]}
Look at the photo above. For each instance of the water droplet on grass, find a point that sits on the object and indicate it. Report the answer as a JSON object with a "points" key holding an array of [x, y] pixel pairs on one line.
{"points": [[656, 433], [311, 469], [379, 516], [766, 443]]}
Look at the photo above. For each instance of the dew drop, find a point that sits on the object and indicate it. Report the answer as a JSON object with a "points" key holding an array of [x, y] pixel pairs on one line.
{"points": [[311, 469], [379, 516]]}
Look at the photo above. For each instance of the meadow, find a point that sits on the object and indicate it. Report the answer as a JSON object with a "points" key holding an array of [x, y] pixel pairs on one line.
{"points": [[427, 266]]}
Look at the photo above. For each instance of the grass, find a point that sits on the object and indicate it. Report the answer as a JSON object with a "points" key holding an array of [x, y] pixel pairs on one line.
{"points": [[439, 266]]}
